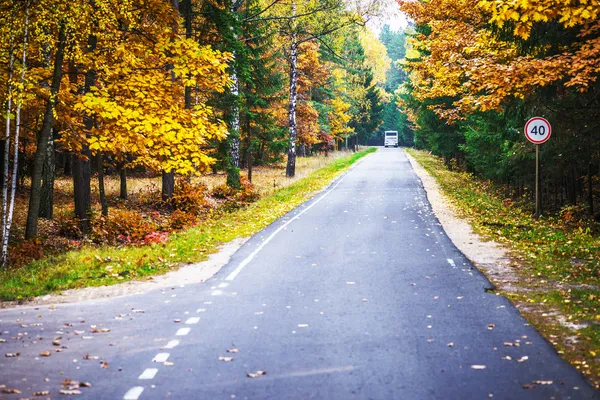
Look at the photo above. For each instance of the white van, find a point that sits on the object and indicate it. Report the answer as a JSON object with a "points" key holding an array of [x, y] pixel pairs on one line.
{"points": [[391, 138]]}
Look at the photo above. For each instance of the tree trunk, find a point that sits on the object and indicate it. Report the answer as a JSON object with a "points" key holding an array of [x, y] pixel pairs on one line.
{"points": [[82, 170], [6, 158], [168, 185], [233, 167], [44, 134], [591, 189], [82, 175], [290, 170], [68, 169], [123, 179], [100, 166], [48, 176], [249, 148]]}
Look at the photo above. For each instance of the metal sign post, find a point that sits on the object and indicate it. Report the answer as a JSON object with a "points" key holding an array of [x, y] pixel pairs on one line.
{"points": [[538, 131]]}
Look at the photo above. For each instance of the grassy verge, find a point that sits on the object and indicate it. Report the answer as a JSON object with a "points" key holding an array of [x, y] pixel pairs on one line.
{"points": [[109, 265], [556, 258]]}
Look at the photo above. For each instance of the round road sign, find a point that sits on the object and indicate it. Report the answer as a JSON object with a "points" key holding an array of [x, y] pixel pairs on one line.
{"points": [[538, 130]]}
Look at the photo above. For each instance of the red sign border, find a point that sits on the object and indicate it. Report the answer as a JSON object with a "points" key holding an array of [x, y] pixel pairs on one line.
{"points": [[538, 119]]}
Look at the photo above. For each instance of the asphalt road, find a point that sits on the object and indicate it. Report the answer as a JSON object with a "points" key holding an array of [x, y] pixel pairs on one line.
{"points": [[357, 294]]}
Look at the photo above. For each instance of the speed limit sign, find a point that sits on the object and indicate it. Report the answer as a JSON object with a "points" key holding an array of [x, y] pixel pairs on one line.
{"points": [[538, 130]]}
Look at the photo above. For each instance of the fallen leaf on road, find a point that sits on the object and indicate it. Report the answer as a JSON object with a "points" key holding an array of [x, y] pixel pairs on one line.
{"points": [[460, 297], [478, 367], [256, 374], [42, 393], [528, 386], [168, 364], [11, 391], [2, 340], [451, 344], [491, 326], [543, 382], [350, 283], [103, 364], [364, 300], [233, 350], [12, 354], [70, 392], [85, 384], [56, 343], [78, 332], [507, 358], [137, 311], [221, 358], [176, 320], [523, 359], [45, 354], [509, 344], [102, 330], [88, 357], [302, 325]]}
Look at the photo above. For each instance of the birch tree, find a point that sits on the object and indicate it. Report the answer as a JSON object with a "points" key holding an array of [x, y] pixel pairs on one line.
{"points": [[315, 20]]}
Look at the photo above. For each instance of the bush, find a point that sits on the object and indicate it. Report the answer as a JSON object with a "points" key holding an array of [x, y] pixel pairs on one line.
{"points": [[223, 192], [122, 226], [189, 197], [68, 225], [181, 219]]}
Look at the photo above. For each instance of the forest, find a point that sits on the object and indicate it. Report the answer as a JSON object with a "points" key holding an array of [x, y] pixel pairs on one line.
{"points": [[479, 69], [115, 107]]}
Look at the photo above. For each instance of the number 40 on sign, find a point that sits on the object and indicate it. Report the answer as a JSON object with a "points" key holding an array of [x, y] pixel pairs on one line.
{"points": [[538, 130]]}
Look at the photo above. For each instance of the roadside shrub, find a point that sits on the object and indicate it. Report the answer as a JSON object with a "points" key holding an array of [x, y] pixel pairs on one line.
{"points": [[181, 219], [68, 226], [189, 197], [248, 194], [122, 226], [223, 192]]}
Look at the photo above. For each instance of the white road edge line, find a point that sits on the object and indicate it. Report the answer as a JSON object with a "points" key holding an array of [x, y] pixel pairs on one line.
{"points": [[247, 260], [149, 373], [133, 393]]}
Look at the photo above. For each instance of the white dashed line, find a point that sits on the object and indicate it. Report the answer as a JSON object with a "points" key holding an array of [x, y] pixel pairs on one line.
{"points": [[133, 393], [149, 373], [217, 293], [172, 344], [161, 357], [201, 310], [193, 320], [183, 331], [223, 285], [247, 260]]}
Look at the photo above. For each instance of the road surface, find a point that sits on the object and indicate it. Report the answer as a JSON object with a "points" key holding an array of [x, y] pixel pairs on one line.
{"points": [[356, 294]]}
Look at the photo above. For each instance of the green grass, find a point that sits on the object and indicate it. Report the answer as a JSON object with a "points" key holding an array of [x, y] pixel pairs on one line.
{"points": [[556, 258], [92, 266]]}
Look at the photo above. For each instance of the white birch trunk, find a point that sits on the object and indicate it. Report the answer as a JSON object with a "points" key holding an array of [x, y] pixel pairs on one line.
{"points": [[13, 186], [7, 143], [234, 142], [290, 170]]}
